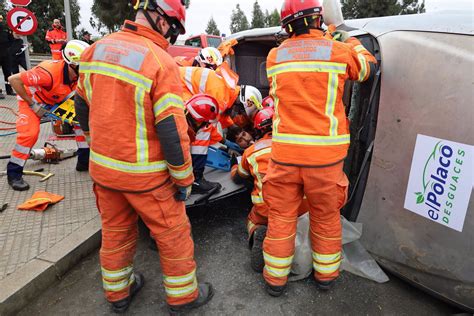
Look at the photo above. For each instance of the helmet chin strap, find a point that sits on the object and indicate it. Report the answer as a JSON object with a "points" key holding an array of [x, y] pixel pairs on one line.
{"points": [[154, 24]]}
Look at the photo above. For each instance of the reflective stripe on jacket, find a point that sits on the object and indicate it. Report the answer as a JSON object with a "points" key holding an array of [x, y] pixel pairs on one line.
{"points": [[202, 80], [307, 75], [137, 124], [254, 163], [57, 35], [48, 82]]}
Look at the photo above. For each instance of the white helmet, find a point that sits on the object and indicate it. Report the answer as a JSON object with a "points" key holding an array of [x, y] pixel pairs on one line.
{"points": [[73, 50], [251, 98], [210, 56]]}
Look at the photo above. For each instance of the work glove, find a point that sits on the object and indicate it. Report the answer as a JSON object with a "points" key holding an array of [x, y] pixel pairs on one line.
{"points": [[183, 193], [40, 109], [233, 146], [233, 160], [340, 36]]}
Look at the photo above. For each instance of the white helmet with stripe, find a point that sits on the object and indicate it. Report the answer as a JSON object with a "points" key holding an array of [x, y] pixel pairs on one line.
{"points": [[73, 50], [210, 56], [251, 98]]}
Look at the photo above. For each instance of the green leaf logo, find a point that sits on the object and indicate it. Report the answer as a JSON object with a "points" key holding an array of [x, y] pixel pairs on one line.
{"points": [[419, 198]]}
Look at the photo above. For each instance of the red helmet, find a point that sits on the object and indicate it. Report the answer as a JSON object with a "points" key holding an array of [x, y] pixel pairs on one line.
{"points": [[268, 102], [263, 118], [173, 9], [296, 9], [203, 108]]}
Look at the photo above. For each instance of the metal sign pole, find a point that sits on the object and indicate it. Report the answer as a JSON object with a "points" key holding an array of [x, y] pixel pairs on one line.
{"points": [[67, 12], [27, 52]]}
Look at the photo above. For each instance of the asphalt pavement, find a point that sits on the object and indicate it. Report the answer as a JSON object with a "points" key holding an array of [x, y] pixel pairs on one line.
{"points": [[223, 259]]}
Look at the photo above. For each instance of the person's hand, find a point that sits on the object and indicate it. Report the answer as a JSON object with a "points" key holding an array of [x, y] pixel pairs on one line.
{"points": [[340, 35], [233, 160], [183, 193], [40, 109]]}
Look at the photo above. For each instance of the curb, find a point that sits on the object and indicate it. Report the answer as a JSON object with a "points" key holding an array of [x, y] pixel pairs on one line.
{"points": [[23, 285]]}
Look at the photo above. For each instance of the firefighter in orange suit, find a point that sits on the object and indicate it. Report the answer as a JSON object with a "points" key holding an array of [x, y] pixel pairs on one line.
{"points": [[56, 37], [310, 140], [197, 80], [140, 160], [253, 165], [38, 90]]}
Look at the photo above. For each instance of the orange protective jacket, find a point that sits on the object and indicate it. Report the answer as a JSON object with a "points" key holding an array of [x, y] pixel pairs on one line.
{"points": [[56, 35], [48, 82], [202, 80], [254, 163], [307, 75], [137, 123]]}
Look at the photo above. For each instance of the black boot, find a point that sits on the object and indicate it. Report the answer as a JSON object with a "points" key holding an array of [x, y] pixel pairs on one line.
{"points": [[325, 285], [18, 184], [83, 159], [206, 292], [275, 290], [2, 96], [202, 186], [15, 177], [256, 253], [121, 306], [9, 89]]}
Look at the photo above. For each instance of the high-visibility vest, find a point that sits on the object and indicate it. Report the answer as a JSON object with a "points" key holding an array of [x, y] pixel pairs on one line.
{"points": [[307, 75], [132, 87], [254, 163], [203, 80], [55, 34], [55, 72]]}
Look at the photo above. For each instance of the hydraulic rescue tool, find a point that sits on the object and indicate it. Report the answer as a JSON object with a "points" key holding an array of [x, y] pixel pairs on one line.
{"points": [[50, 153]]}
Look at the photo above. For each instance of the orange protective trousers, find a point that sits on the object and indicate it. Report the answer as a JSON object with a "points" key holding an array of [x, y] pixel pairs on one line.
{"points": [[170, 228], [283, 190], [28, 128], [258, 215]]}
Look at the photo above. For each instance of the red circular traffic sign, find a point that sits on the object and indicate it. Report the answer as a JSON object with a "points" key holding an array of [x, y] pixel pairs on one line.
{"points": [[20, 3], [22, 21]]}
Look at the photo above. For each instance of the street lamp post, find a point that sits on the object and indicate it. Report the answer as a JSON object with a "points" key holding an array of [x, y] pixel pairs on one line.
{"points": [[67, 12]]}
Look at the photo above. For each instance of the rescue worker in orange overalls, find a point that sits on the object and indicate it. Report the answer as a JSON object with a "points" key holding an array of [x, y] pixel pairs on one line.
{"points": [[253, 165], [310, 140], [38, 90], [56, 37], [140, 160], [197, 80]]}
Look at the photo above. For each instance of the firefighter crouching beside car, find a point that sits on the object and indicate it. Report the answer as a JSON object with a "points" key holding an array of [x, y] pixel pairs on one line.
{"points": [[197, 80], [38, 90], [253, 165], [310, 140], [140, 162]]}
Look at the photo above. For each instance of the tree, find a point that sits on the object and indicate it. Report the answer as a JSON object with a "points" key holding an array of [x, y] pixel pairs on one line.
{"points": [[211, 28], [412, 7], [3, 9], [357, 9], [238, 20], [110, 15], [272, 19], [46, 11], [258, 19]]}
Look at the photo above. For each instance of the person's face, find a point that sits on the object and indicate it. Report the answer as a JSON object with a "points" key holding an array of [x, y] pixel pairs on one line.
{"points": [[244, 140], [87, 37], [56, 23]]}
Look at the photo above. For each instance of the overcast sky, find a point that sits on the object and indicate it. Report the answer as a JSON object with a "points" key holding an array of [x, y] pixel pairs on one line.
{"points": [[200, 11]]}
